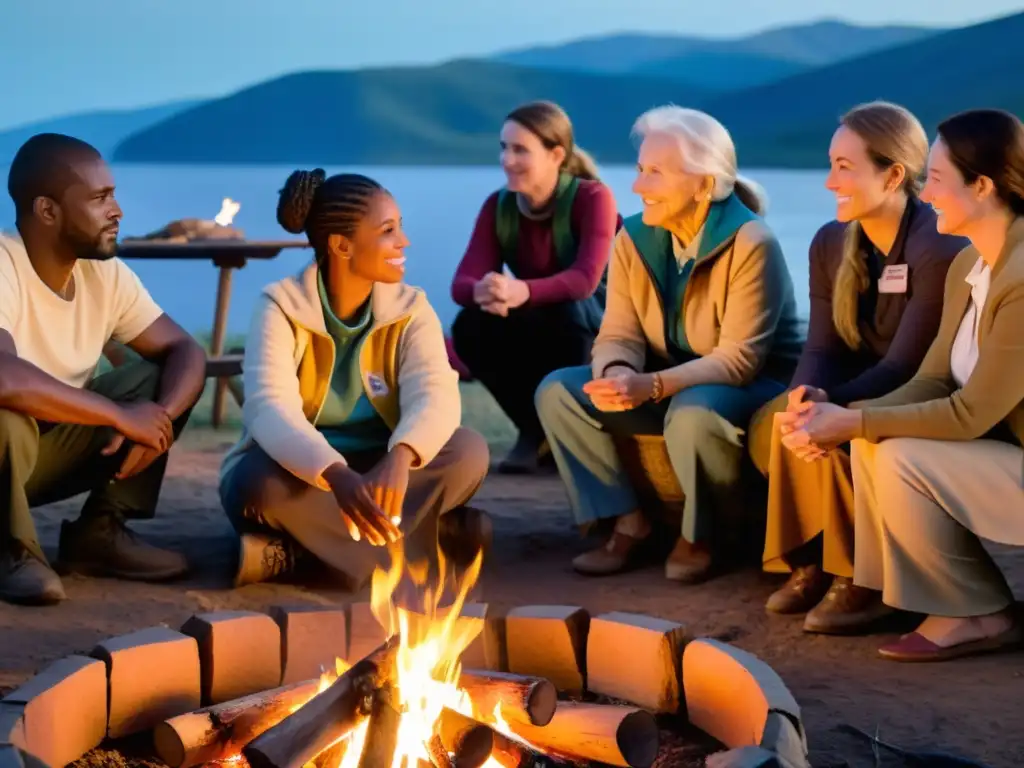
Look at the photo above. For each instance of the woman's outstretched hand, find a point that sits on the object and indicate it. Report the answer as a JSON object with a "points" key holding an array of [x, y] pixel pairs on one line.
{"points": [[360, 512], [389, 480]]}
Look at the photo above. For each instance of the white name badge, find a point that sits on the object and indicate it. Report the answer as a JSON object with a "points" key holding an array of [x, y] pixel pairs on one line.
{"points": [[894, 279]]}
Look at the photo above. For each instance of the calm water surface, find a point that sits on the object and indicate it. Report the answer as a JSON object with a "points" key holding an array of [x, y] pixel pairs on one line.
{"points": [[439, 206]]}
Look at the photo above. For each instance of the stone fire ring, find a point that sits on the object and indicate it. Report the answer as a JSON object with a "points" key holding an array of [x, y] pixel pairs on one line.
{"points": [[132, 683]]}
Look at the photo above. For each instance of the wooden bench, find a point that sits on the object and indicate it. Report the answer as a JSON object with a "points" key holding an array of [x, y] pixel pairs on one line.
{"points": [[226, 369]]}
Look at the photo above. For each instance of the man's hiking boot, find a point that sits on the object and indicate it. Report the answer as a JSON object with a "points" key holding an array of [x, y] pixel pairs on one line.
{"points": [[101, 545], [26, 580]]}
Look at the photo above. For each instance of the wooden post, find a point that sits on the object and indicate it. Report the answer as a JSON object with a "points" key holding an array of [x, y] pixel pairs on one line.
{"points": [[220, 322]]}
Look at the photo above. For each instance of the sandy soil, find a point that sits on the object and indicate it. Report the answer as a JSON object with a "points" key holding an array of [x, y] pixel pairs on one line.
{"points": [[969, 707]]}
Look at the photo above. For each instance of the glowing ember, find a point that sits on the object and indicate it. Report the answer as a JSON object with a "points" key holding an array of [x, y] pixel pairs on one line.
{"points": [[228, 209]]}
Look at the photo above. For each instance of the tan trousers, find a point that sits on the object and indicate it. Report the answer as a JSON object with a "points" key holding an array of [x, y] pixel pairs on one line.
{"points": [[805, 499], [921, 507]]}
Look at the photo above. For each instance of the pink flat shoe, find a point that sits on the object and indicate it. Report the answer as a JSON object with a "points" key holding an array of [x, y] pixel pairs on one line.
{"points": [[917, 648]]}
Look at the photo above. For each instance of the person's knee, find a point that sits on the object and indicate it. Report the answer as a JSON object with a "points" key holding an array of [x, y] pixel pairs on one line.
{"points": [[762, 433], [470, 331], [694, 422], [17, 429], [560, 389], [471, 456], [257, 486]]}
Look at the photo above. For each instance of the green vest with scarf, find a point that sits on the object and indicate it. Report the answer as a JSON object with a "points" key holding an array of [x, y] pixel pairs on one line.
{"points": [[507, 230], [654, 244]]}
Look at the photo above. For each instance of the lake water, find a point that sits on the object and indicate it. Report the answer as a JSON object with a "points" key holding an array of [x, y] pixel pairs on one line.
{"points": [[439, 206]]}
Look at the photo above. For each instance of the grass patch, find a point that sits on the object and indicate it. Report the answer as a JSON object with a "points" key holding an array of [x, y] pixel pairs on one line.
{"points": [[479, 412], [479, 409]]}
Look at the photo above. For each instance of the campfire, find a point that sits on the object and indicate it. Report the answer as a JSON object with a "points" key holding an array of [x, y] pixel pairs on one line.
{"points": [[410, 704]]}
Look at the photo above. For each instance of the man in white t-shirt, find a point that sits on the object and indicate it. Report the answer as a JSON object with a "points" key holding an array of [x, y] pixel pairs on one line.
{"points": [[64, 430]]}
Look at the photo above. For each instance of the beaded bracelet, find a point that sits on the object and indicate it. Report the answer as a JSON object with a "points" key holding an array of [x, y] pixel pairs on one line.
{"points": [[658, 390]]}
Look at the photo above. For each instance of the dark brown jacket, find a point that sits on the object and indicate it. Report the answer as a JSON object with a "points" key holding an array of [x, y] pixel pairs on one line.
{"points": [[896, 328]]}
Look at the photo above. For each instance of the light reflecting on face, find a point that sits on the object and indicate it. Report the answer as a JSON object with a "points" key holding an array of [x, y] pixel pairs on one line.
{"points": [[857, 182], [379, 242], [90, 214], [665, 189], [954, 201], [527, 163]]}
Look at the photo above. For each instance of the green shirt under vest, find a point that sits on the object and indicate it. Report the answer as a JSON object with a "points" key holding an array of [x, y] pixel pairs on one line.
{"points": [[671, 270], [348, 419]]}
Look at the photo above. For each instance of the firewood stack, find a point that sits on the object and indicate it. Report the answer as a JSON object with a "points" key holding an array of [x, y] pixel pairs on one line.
{"points": [[292, 726]]}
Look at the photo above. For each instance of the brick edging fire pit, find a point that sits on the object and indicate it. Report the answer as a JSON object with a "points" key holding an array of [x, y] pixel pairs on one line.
{"points": [[134, 682]]}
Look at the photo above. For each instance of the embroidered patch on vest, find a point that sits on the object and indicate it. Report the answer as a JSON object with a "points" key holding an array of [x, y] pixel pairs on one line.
{"points": [[377, 386]]}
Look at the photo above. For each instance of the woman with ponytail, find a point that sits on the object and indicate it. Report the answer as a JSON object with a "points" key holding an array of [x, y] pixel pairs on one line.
{"points": [[877, 276], [938, 464], [552, 227], [700, 331], [350, 429]]}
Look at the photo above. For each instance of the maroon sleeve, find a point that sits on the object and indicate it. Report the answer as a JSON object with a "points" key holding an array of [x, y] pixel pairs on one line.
{"points": [[595, 220], [817, 366], [483, 254], [918, 327]]}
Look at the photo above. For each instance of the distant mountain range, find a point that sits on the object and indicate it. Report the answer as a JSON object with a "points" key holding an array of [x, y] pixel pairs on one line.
{"points": [[779, 92], [722, 64], [104, 130]]}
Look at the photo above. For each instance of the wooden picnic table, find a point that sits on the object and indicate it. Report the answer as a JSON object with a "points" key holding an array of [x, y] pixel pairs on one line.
{"points": [[227, 256]]}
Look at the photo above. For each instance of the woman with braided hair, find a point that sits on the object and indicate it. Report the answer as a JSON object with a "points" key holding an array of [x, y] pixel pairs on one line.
{"points": [[351, 433]]}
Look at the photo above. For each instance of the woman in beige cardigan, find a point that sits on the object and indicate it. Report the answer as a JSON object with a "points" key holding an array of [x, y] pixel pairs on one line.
{"points": [[699, 331], [351, 433], [877, 278], [938, 464]]}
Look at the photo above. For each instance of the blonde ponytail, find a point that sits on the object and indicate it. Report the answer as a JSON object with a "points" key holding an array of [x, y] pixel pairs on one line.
{"points": [[852, 279]]}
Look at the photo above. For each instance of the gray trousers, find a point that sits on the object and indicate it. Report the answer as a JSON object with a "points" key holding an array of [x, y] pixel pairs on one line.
{"points": [[42, 463], [921, 508], [703, 428], [259, 495]]}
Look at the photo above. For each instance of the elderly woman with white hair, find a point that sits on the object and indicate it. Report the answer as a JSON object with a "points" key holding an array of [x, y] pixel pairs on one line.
{"points": [[699, 331]]}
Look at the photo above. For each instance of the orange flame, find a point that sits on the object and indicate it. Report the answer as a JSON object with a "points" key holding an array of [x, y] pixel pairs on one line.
{"points": [[431, 640]]}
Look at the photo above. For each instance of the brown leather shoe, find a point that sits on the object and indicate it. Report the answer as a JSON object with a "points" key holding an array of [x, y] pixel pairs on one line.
{"points": [[688, 563], [807, 586], [846, 609], [617, 554]]}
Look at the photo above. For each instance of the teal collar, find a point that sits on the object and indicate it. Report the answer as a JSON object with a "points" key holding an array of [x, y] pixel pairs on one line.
{"points": [[723, 221], [335, 325]]}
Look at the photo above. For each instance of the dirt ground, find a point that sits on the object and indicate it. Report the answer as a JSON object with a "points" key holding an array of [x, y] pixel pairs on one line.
{"points": [[971, 708]]}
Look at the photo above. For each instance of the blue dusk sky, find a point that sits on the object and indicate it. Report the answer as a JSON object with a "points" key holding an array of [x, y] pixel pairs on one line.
{"points": [[64, 56]]}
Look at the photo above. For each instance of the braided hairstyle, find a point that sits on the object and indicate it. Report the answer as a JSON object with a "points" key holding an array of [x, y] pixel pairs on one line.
{"points": [[311, 202]]}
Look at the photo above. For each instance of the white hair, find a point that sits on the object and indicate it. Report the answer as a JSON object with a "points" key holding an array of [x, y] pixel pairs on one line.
{"points": [[705, 148]]}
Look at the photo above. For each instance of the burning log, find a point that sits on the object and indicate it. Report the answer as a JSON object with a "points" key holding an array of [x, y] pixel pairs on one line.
{"points": [[616, 735], [327, 717], [332, 756], [526, 699], [438, 754], [382, 730], [221, 731], [472, 743]]}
